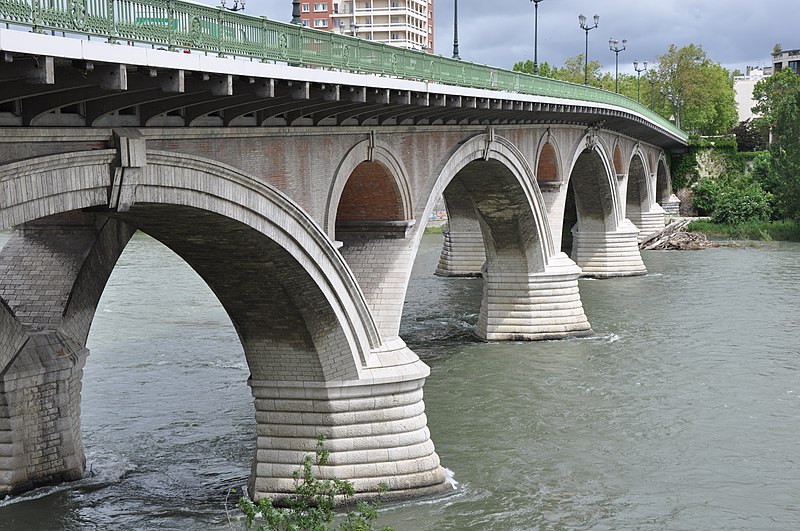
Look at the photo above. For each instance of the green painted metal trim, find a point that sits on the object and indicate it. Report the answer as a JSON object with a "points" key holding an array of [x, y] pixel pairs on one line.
{"points": [[182, 25]]}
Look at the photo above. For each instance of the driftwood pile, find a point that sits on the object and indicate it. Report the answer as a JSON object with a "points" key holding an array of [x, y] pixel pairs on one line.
{"points": [[674, 237]]}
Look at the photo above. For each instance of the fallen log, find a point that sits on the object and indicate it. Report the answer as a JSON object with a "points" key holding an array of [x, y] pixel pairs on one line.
{"points": [[681, 241]]}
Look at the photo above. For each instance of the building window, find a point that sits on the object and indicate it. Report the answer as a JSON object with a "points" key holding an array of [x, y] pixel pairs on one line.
{"points": [[305, 23], [306, 8], [321, 7], [321, 23], [793, 66]]}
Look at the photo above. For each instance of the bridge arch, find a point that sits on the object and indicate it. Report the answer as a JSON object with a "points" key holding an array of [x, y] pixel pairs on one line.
{"points": [[604, 242], [592, 175], [488, 181], [305, 326], [638, 197]]}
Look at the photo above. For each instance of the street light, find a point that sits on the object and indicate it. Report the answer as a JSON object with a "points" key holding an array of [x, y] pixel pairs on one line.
{"points": [[613, 45], [536, 36], [677, 102], [585, 27], [638, 73], [296, 13], [238, 5], [455, 30]]}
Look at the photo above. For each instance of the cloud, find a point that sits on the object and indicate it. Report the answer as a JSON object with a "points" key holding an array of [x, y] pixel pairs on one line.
{"points": [[734, 33]]}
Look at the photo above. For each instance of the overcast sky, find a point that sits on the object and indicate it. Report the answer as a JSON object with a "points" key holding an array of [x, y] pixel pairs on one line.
{"points": [[735, 33]]}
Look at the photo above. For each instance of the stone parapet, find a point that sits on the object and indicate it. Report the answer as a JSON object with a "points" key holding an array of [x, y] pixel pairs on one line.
{"points": [[608, 254], [537, 306], [463, 254]]}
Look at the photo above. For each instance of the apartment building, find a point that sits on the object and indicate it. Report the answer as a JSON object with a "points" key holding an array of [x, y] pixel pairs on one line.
{"points": [[402, 23], [786, 59]]}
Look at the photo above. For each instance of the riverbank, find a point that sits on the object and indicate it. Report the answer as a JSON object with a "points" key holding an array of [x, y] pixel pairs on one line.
{"points": [[758, 231]]}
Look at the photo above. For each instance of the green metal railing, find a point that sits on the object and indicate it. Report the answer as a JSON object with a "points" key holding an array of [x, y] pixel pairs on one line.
{"points": [[174, 25]]}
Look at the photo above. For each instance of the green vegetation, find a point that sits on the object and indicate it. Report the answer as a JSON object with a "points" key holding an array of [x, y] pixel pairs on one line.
{"points": [[685, 86], [745, 176], [762, 230], [434, 229], [310, 507], [733, 199]]}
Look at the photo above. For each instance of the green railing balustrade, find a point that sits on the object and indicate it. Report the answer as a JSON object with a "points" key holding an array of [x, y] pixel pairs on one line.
{"points": [[180, 25]]}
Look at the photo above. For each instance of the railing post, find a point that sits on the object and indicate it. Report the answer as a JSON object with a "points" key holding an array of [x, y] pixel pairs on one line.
{"points": [[171, 23], [264, 40], [36, 15], [110, 19], [220, 13]]}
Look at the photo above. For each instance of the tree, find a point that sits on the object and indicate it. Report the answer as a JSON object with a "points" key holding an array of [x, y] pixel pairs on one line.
{"points": [[778, 103], [749, 137], [785, 151], [545, 70], [696, 91], [770, 93]]}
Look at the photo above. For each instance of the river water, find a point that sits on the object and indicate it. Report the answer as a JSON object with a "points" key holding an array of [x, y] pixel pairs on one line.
{"points": [[682, 412]]}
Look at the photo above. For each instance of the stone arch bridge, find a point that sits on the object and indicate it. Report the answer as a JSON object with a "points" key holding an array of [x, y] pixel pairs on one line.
{"points": [[300, 196]]}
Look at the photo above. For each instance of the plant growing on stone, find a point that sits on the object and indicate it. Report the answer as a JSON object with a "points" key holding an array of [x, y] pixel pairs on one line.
{"points": [[310, 507]]}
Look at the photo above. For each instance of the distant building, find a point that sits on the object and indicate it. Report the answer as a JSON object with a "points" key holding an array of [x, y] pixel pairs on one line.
{"points": [[743, 87], [786, 59], [402, 23]]}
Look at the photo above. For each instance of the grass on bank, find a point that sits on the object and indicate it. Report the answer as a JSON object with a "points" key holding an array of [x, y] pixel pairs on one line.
{"points": [[756, 230]]}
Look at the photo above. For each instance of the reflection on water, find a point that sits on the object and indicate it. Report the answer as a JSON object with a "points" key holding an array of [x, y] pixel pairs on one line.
{"points": [[681, 413]]}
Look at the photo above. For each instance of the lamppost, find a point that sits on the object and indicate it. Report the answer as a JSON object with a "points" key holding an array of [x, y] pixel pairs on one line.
{"points": [[613, 45], [238, 5], [638, 73], [296, 13], [455, 30], [536, 36], [585, 27], [677, 102]]}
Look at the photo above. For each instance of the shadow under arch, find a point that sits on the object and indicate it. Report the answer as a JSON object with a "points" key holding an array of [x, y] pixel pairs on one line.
{"points": [[663, 184], [305, 327]]}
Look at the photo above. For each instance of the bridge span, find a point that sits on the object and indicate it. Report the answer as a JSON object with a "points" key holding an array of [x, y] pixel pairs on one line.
{"points": [[298, 186]]}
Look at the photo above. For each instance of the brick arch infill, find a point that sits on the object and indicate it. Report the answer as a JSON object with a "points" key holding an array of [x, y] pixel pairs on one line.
{"points": [[44, 186], [602, 149], [382, 153], [554, 143], [485, 147]]}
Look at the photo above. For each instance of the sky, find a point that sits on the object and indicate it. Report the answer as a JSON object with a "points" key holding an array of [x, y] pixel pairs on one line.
{"points": [[734, 33]]}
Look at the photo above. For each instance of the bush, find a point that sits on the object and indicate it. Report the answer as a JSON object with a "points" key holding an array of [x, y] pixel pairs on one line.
{"points": [[311, 505], [733, 200]]}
